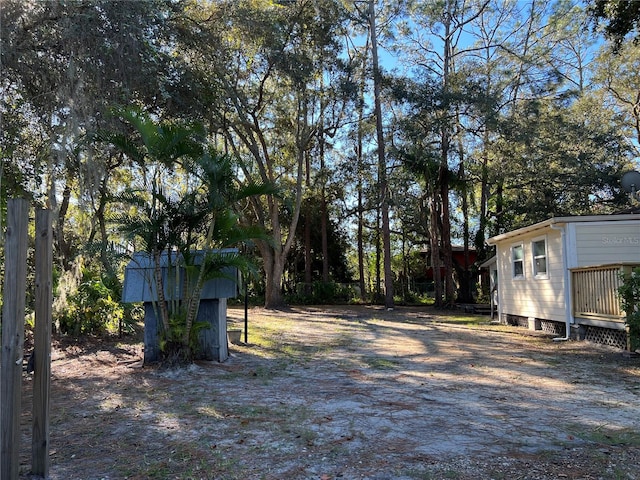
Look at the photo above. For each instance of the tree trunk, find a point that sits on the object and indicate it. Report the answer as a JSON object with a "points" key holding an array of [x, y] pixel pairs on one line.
{"points": [[274, 269], [443, 174], [378, 257], [465, 293], [434, 243], [308, 261], [323, 202], [481, 235], [360, 180], [63, 246], [99, 217], [361, 245], [99, 214], [163, 312], [267, 214], [382, 163], [325, 240], [499, 206], [308, 264], [446, 250]]}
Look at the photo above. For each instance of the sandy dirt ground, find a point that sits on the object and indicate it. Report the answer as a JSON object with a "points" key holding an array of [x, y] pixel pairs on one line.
{"points": [[348, 393]]}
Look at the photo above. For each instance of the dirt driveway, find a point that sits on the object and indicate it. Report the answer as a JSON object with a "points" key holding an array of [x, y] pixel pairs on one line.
{"points": [[349, 393]]}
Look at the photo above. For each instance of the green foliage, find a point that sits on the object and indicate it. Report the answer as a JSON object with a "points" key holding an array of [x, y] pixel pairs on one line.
{"points": [[630, 302], [184, 218], [410, 297], [322, 293], [620, 18], [535, 123], [545, 173], [331, 292], [337, 245], [91, 308]]}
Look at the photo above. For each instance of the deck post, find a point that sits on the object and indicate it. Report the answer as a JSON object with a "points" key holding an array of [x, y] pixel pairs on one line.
{"points": [[15, 284], [42, 347]]}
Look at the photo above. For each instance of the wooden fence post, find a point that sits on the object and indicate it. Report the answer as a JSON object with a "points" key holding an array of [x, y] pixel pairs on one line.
{"points": [[42, 344], [15, 285]]}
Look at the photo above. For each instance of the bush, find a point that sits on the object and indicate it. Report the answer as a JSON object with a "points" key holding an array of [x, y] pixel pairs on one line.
{"points": [[630, 302], [90, 308], [413, 298], [323, 293]]}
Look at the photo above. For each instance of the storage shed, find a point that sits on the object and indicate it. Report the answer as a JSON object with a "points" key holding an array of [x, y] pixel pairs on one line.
{"points": [[140, 286], [562, 275]]}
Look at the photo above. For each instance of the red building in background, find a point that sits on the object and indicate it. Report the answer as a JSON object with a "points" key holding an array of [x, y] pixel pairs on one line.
{"points": [[465, 272], [461, 262]]}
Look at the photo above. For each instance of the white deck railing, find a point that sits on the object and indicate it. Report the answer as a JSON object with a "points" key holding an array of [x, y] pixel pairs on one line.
{"points": [[595, 292]]}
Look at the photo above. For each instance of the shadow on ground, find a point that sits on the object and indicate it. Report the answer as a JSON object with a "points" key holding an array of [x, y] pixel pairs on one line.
{"points": [[350, 393]]}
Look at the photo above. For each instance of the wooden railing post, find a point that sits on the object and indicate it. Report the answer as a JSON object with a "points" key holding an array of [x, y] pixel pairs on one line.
{"points": [[15, 264], [42, 345]]}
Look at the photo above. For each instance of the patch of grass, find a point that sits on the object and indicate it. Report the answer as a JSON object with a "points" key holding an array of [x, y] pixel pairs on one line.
{"points": [[468, 320], [498, 475], [209, 410], [619, 474], [613, 436], [307, 436], [273, 341], [452, 474], [251, 411], [420, 474], [381, 363], [425, 475], [182, 461], [227, 466], [553, 362], [286, 418], [606, 435], [153, 468]]}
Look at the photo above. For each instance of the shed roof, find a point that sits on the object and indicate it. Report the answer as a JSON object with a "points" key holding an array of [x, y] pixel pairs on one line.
{"points": [[139, 280], [561, 221], [489, 262]]}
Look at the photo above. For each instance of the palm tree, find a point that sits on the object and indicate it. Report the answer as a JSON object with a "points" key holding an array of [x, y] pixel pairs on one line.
{"points": [[185, 217]]}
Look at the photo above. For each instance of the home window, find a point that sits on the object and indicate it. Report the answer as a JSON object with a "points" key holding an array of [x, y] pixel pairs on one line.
{"points": [[517, 259], [539, 250]]}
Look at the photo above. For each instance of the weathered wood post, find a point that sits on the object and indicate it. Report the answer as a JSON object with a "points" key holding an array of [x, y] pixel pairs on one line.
{"points": [[42, 345], [15, 285]]}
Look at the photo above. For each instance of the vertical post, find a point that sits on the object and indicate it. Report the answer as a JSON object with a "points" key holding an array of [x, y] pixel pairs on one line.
{"points": [[15, 285], [246, 312], [221, 315], [42, 348], [151, 334]]}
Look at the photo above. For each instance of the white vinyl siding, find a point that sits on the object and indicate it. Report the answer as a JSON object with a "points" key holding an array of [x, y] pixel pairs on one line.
{"points": [[602, 243], [533, 297], [590, 241]]}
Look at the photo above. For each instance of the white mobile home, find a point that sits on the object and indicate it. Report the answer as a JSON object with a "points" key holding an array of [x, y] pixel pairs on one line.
{"points": [[561, 275]]}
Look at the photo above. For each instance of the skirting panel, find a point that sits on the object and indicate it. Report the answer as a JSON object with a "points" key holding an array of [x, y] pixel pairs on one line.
{"points": [[606, 336]]}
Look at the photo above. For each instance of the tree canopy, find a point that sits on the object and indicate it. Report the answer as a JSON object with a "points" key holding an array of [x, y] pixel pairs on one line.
{"points": [[478, 117]]}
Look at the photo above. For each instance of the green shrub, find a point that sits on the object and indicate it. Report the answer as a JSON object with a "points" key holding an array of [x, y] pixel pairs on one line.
{"points": [[413, 298], [322, 293], [90, 308], [630, 302]]}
